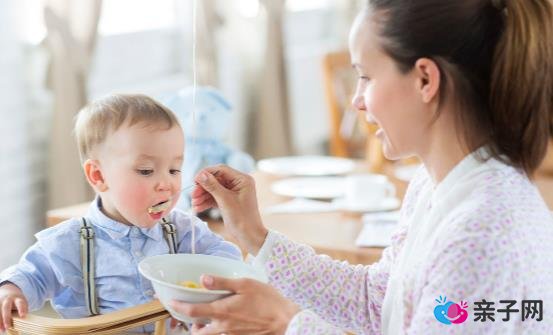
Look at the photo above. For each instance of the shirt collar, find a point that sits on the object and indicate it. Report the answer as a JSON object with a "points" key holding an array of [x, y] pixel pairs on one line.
{"points": [[115, 229], [475, 162]]}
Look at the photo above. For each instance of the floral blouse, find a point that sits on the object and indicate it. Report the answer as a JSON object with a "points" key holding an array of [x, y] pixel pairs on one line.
{"points": [[472, 255]]}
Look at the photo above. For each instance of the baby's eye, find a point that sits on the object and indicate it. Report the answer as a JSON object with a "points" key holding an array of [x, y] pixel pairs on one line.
{"points": [[144, 172], [364, 78], [174, 171]]}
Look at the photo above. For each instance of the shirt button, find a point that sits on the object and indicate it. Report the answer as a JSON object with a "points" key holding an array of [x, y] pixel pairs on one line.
{"points": [[149, 293], [138, 253]]}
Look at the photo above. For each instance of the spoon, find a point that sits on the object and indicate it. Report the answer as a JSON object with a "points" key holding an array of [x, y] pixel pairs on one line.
{"points": [[164, 205]]}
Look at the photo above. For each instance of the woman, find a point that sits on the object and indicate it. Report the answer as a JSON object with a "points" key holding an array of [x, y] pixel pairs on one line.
{"points": [[466, 86]]}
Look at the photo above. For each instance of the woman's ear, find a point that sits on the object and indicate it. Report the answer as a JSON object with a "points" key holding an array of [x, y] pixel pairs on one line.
{"points": [[428, 77], [93, 173]]}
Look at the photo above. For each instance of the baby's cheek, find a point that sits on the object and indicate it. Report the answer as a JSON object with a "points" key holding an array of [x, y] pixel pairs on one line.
{"points": [[135, 198]]}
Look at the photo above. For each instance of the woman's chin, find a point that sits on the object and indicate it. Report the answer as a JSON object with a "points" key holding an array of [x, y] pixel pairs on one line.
{"points": [[389, 151]]}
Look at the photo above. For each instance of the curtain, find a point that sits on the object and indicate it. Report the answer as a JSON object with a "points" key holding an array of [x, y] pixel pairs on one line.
{"points": [[71, 35], [272, 133], [208, 22], [18, 199]]}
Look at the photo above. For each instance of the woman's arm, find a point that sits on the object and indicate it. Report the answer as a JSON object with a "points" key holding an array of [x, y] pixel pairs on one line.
{"points": [[344, 295], [255, 308]]}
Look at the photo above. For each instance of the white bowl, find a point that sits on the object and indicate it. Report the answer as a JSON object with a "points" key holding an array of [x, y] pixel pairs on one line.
{"points": [[167, 271]]}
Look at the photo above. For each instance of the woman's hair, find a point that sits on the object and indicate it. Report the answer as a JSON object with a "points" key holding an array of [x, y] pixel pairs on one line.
{"points": [[104, 116], [495, 57]]}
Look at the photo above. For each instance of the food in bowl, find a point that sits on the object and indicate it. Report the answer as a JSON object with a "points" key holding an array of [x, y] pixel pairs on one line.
{"points": [[167, 273], [190, 284]]}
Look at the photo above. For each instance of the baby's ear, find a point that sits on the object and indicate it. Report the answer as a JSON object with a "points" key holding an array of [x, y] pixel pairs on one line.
{"points": [[93, 173]]}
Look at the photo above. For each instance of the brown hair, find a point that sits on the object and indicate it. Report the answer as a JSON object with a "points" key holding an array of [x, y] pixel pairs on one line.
{"points": [[495, 56], [95, 121]]}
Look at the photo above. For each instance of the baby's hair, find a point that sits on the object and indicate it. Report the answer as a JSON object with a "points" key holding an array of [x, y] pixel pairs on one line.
{"points": [[100, 118], [495, 58]]}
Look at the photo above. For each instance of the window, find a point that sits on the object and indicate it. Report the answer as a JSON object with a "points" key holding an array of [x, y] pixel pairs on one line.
{"points": [[128, 16], [306, 5], [142, 47]]}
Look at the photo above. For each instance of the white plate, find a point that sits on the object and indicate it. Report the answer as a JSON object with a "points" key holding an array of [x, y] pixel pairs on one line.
{"points": [[310, 187], [386, 204], [306, 165]]}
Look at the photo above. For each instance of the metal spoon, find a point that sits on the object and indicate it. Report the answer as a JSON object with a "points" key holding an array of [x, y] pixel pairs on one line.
{"points": [[164, 205]]}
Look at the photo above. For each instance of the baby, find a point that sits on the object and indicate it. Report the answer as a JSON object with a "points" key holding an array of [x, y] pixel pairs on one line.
{"points": [[131, 148]]}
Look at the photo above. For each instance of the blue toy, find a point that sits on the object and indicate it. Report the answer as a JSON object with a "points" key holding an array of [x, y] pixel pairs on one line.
{"points": [[204, 133]]}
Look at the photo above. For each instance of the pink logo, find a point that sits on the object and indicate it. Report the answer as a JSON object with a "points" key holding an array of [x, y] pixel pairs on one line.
{"points": [[448, 312]]}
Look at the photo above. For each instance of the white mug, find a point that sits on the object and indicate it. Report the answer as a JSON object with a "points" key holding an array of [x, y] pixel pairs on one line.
{"points": [[367, 189]]}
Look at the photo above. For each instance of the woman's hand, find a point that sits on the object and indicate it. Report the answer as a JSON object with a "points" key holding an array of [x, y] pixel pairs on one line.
{"points": [[234, 194], [255, 308]]}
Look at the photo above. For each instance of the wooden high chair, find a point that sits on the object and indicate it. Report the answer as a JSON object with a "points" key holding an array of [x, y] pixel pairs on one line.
{"points": [[350, 134], [112, 323]]}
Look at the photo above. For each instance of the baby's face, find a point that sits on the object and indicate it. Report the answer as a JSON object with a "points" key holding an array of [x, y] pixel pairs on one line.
{"points": [[141, 168]]}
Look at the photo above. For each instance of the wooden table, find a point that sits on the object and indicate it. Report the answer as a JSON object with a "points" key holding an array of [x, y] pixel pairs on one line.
{"points": [[333, 234]]}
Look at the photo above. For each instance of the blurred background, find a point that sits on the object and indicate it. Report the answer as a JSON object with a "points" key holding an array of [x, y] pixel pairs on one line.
{"points": [[265, 56], [281, 64]]}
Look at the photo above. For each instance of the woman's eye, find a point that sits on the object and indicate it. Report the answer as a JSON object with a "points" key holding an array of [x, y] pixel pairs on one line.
{"points": [[144, 172], [174, 171]]}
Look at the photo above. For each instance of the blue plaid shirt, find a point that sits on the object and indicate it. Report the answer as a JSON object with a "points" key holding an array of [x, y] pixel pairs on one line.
{"points": [[51, 268]]}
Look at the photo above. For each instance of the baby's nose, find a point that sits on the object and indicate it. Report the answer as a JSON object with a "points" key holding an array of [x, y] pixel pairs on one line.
{"points": [[163, 185]]}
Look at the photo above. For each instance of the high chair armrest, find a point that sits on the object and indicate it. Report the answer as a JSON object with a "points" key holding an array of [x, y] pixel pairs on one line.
{"points": [[112, 323]]}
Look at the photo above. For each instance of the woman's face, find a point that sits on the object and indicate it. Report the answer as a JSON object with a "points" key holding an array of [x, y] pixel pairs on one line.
{"points": [[388, 97]]}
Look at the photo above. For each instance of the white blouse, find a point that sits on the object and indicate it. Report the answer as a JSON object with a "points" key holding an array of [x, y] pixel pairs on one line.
{"points": [[482, 236]]}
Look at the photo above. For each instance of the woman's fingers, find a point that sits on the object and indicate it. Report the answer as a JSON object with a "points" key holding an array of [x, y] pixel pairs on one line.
{"points": [[193, 310], [174, 322], [208, 331], [197, 326], [255, 308], [226, 176], [198, 191], [201, 329], [213, 186], [220, 283], [222, 172], [198, 200], [203, 200], [210, 203]]}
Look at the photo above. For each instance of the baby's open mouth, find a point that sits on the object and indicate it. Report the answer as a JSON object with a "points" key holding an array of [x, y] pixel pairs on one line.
{"points": [[159, 207]]}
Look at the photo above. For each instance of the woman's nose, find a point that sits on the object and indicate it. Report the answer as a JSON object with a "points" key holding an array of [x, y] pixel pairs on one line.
{"points": [[358, 102]]}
